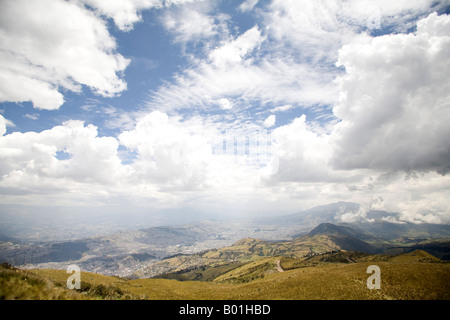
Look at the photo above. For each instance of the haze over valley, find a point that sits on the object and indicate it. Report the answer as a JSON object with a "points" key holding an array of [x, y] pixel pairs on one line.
{"points": [[141, 252]]}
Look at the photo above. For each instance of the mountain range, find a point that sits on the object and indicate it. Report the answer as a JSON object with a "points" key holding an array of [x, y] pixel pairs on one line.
{"points": [[160, 250], [324, 239]]}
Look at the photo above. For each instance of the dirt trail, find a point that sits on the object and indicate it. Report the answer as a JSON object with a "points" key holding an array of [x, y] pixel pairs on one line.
{"points": [[279, 267]]}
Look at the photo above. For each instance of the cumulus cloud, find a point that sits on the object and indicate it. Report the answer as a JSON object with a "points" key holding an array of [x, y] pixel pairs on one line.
{"points": [[168, 152], [288, 58], [390, 110], [225, 104], [3, 124], [49, 45], [393, 110], [303, 155], [394, 103], [161, 159], [33, 155], [315, 30], [390, 138], [270, 121]]}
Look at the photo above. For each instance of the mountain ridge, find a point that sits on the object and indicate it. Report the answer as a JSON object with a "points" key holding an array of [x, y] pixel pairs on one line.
{"points": [[334, 275], [125, 253], [324, 238]]}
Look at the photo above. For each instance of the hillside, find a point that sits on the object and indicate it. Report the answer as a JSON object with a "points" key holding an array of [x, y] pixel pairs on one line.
{"points": [[145, 252], [376, 226], [415, 275], [324, 238], [329, 262], [17, 284], [344, 237], [121, 254]]}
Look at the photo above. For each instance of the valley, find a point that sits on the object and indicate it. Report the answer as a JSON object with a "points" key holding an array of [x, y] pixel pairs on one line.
{"points": [[124, 253], [161, 250], [235, 260], [332, 276]]}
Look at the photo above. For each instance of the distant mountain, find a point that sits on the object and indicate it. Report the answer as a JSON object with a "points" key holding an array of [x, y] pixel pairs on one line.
{"points": [[344, 237], [377, 225], [324, 238], [317, 230], [391, 231], [308, 219], [329, 228], [123, 253]]}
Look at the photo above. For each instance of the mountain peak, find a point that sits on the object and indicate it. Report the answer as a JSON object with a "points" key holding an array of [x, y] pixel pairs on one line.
{"points": [[245, 241]]}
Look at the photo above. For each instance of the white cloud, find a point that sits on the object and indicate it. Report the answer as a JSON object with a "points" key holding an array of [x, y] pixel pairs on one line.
{"points": [[225, 104], [51, 46], [270, 121], [393, 117], [179, 21], [283, 108], [168, 153], [48, 45], [125, 13], [247, 5], [286, 59], [392, 112], [33, 116], [233, 72], [316, 30], [172, 163], [394, 102], [3, 124], [169, 161], [33, 155], [303, 155], [236, 50]]}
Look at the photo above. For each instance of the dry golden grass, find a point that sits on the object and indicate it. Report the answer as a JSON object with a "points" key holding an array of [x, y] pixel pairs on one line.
{"points": [[413, 276], [400, 280]]}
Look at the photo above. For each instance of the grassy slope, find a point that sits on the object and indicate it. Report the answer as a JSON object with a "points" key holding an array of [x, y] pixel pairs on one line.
{"points": [[409, 276], [243, 251], [17, 284]]}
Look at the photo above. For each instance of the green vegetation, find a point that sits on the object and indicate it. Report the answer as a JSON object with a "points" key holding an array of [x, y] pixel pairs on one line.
{"points": [[250, 271], [203, 273]]}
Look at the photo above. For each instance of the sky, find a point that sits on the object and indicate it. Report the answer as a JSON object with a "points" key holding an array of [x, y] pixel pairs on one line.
{"points": [[228, 107]]}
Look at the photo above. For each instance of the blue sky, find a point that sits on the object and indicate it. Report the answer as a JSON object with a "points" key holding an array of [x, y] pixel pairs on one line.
{"points": [[253, 106]]}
